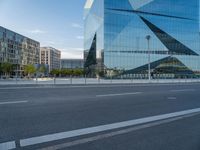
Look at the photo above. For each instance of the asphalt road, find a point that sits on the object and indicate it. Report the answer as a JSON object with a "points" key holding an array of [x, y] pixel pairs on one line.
{"points": [[27, 112]]}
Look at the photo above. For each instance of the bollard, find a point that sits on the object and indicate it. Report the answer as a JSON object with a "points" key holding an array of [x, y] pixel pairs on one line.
{"points": [[71, 79], [36, 80], [54, 81], [99, 80], [16, 81], [85, 79]]}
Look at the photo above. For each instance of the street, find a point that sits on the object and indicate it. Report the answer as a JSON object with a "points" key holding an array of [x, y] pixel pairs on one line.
{"points": [[101, 117]]}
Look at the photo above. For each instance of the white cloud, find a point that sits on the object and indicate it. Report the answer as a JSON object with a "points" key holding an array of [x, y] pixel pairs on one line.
{"points": [[73, 53], [80, 37], [37, 31], [72, 49], [49, 42], [76, 25]]}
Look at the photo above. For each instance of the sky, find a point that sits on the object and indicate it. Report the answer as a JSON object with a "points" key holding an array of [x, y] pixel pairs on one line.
{"points": [[55, 23]]}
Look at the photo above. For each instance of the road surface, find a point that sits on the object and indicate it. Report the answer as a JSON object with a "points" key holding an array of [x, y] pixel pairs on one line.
{"points": [[101, 117]]}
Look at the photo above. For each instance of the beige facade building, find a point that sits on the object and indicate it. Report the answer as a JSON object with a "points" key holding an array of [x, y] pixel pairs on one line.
{"points": [[51, 57]]}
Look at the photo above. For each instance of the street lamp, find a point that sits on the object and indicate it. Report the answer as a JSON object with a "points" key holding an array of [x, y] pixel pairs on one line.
{"points": [[148, 37]]}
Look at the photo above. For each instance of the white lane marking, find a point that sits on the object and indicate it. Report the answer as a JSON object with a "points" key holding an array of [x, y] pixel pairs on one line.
{"points": [[120, 94], [7, 145], [115, 133], [97, 129], [14, 102], [171, 98], [183, 90]]}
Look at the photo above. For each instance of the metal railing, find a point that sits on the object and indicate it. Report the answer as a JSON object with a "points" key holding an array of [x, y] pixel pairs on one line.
{"points": [[87, 81]]}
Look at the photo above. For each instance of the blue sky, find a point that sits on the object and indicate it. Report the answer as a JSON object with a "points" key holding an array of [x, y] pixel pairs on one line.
{"points": [[56, 23]]}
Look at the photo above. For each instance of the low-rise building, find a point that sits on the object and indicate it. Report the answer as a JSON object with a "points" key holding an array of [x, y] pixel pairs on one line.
{"points": [[51, 57], [72, 63]]}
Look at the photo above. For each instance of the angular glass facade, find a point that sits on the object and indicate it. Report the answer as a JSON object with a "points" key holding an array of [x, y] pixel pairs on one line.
{"points": [[116, 34]]}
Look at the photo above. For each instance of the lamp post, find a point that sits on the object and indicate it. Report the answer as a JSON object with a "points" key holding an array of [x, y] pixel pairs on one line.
{"points": [[148, 37]]}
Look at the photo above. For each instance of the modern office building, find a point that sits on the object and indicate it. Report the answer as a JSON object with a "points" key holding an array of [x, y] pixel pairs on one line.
{"points": [[72, 63], [131, 36], [51, 57], [18, 50]]}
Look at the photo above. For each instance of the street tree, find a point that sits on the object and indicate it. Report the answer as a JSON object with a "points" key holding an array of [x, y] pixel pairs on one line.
{"points": [[29, 70], [42, 69], [78, 72], [55, 72], [7, 68]]}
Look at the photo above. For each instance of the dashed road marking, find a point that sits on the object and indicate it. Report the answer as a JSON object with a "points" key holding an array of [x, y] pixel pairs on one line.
{"points": [[171, 98], [183, 90], [14, 102], [119, 94], [7, 145]]}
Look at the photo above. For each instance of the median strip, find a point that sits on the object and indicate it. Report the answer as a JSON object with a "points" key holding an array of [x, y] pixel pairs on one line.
{"points": [[102, 128]]}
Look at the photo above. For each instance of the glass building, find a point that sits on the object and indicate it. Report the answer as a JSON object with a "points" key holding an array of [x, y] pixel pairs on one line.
{"points": [[122, 37], [72, 63]]}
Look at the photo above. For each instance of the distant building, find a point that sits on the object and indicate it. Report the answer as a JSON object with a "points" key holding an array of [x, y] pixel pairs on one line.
{"points": [[18, 50], [72, 63], [51, 57]]}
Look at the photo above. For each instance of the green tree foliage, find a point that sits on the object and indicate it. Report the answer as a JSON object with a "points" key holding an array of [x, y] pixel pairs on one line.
{"points": [[78, 72], [55, 72], [99, 73], [42, 69], [7, 68], [29, 70], [67, 72]]}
